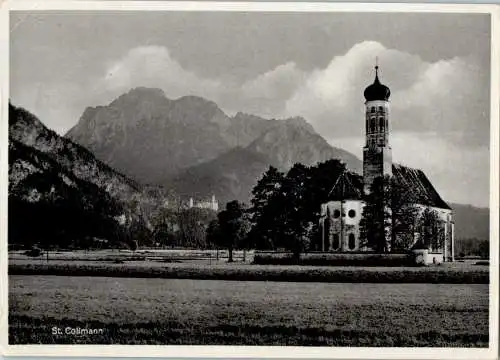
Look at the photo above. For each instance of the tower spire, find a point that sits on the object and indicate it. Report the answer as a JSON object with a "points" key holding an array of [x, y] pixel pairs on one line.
{"points": [[376, 69]]}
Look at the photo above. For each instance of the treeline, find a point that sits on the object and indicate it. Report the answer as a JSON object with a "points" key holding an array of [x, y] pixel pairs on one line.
{"points": [[283, 213], [61, 217], [472, 247], [183, 228], [285, 210]]}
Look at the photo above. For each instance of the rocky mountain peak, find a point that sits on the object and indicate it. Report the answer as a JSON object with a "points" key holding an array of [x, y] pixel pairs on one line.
{"points": [[139, 94]]}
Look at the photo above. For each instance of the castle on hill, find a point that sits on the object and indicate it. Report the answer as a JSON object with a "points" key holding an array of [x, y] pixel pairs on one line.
{"points": [[211, 204], [342, 212]]}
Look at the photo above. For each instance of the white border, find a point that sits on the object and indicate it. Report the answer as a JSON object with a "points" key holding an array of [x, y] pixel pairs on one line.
{"points": [[247, 351]]}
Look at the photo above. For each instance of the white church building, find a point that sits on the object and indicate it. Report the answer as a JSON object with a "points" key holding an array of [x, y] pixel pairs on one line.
{"points": [[342, 212]]}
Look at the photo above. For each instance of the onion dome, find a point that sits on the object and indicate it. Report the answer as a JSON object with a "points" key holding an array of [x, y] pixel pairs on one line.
{"points": [[377, 90]]}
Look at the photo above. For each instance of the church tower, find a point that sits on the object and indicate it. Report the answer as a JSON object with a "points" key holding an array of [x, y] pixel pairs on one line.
{"points": [[377, 154]]}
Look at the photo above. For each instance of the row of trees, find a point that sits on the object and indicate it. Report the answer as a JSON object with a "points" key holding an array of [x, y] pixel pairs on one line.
{"points": [[285, 211], [472, 247], [181, 227]]}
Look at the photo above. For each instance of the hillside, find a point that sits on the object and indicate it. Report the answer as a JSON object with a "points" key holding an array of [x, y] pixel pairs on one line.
{"points": [[28, 130], [64, 189], [471, 222], [230, 176]]}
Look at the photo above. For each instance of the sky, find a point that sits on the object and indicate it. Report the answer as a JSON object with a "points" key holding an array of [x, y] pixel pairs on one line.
{"points": [[278, 65]]}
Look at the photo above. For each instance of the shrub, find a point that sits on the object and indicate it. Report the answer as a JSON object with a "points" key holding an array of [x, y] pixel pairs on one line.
{"points": [[33, 252], [434, 275], [334, 259]]}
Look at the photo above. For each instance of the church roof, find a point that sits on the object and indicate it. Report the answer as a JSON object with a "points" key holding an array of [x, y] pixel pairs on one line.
{"points": [[419, 185], [348, 186]]}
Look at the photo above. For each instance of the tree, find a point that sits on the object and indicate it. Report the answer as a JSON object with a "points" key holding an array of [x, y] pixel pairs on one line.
{"points": [[233, 227], [296, 213], [431, 230], [213, 233], [404, 215], [266, 210], [375, 224], [389, 217], [286, 208]]}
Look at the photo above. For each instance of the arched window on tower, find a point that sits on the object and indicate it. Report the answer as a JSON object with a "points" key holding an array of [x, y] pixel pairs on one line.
{"points": [[381, 123], [372, 110], [372, 125], [380, 109]]}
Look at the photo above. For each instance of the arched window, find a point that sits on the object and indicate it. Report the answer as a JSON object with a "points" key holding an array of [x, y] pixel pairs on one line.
{"points": [[380, 109], [372, 125], [336, 242], [352, 241], [381, 123], [351, 213], [336, 214], [372, 109]]}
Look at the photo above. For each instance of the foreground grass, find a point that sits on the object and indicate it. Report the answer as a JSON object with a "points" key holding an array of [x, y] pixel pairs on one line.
{"points": [[244, 272], [159, 311]]}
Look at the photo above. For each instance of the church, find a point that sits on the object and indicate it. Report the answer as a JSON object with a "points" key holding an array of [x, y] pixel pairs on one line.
{"points": [[342, 212]]}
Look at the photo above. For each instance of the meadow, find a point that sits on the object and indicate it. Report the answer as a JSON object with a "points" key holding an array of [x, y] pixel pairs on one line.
{"points": [[175, 311], [447, 273]]}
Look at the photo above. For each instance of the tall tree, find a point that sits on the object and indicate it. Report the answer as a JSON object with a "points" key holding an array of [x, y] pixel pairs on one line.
{"points": [[266, 210], [213, 233], [233, 226], [375, 224], [404, 215], [286, 208], [295, 192]]}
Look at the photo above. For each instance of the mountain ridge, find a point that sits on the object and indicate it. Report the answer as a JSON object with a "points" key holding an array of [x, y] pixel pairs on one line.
{"points": [[150, 138]]}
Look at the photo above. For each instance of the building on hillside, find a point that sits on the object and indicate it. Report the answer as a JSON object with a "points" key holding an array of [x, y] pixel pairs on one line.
{"points": [[211, 204], [342, 212]]}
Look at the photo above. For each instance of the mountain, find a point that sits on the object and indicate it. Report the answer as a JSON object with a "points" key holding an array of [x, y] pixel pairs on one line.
{"points": [[63, 189], [151, 138], [293, 141], [233, 174], [148, 137], [230, 176], [471, 222]]}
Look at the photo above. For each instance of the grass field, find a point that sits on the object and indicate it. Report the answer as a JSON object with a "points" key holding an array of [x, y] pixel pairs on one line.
{"points": [[167, 311], [448, 273]]}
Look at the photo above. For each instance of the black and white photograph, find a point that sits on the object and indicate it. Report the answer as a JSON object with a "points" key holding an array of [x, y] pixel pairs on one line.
{"points": [[251, 176]]}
